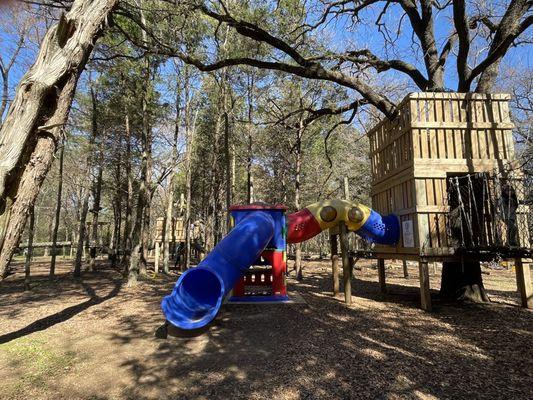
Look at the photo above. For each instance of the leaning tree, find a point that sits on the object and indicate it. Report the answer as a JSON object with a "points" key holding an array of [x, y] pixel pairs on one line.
{"points": [[33, 127]]}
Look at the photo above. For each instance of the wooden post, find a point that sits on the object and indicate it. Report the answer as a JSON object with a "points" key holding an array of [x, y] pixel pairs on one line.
{"points": [[523, 282], [334, 263], [381, 275], [346, 276], [425, 296], [405, 270], [352, 265], [346, 188], [156, 261]]}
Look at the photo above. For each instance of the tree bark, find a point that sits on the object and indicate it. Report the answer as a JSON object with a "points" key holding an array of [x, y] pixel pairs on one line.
{"points": [[510, 26], [29, 249], [137, 264], [462, 281], [57, 211], [33, 125], [4, 220], [5, 92]]}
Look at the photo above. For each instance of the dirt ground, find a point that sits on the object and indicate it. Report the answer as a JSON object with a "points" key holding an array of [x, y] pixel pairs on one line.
{"points": [[94, 339]]}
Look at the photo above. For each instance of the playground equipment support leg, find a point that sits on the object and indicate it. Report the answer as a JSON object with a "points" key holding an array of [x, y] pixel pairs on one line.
{"points": [[156, 260], [425, 296], [381, 275], [334, 263], [523, 282], [346, 275], [405, 270]]}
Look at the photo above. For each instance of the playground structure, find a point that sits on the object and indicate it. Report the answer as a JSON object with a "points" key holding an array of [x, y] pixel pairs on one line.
{"points": [[443, 171], [446, 166], [260, 234], [176, 239]]}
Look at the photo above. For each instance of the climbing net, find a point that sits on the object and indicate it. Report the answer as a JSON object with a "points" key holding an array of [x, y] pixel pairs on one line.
{"points": [[490, 211]]}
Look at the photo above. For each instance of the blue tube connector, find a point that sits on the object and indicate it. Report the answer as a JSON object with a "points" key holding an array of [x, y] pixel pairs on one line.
{"points": [[381, 229], [199, 292]]}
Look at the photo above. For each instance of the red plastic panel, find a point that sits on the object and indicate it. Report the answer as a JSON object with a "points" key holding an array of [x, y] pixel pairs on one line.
{"points": [[302, 225]]}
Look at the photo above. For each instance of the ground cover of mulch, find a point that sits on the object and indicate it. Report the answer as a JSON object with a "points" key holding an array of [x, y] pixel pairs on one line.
{"points": [[94, 339]]}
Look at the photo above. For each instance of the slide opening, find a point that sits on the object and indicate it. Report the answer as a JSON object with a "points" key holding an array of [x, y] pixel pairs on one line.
{"points": [[202, 291]]}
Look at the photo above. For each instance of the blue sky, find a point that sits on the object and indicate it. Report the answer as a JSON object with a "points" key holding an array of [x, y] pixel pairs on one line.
{"points": [[341, 36]]}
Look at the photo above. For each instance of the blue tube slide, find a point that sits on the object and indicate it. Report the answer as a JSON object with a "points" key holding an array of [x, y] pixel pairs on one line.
{"points": [[199, 292]]}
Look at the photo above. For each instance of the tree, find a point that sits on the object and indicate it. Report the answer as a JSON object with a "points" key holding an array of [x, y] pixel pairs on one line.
{"points": [[35, 120]]}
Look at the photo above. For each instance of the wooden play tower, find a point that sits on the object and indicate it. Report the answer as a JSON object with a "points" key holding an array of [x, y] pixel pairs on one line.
{"points": [[437, 140]]}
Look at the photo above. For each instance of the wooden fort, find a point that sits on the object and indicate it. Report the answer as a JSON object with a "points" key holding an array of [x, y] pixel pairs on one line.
{"points": [[435, 137]]}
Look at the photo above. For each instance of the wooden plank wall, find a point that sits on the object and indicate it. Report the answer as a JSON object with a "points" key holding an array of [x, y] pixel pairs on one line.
{"points": [[459, 126], [434, 134], [179, 232], [390, 144]]}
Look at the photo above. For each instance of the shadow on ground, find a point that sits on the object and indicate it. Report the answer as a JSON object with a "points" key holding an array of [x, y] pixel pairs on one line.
{"points": [[382, 347], [325, 350]]}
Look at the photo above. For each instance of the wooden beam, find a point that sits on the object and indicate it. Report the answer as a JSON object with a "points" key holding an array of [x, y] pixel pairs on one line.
{"points": [[523, 282], [334, 263], [346, 276], [425, 295], [381, 275]]}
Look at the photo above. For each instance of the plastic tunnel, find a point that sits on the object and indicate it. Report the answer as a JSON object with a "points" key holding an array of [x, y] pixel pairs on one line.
{"points": [[367, 223], [199, 292]]}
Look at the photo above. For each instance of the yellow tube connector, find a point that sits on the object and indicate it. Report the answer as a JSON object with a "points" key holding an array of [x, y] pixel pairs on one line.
{"points": [[329, 213]]}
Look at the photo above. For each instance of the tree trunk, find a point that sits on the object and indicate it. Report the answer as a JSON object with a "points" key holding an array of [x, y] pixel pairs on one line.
{"points": [[128, 232], [96, 212], [228, 169], [170, 195], [168, 227], [117, 215], [29, 249], [142, 220], [57, 212], [189, 131], [298, 168], [462, 281], [5, 93], [34, 123], [137, 240], [4, 220], [81, 234], [508, 28], [97, 187]]}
